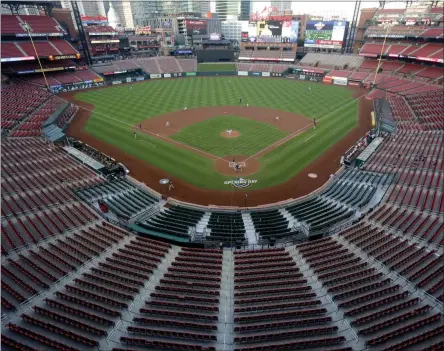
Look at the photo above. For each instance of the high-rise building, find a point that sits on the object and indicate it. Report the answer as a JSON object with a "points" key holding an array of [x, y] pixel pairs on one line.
{"points": [[281, 5], [87, 8], [228, 9], [245, 10], [205, 7], [23, 11], [124, 12], [232, 30], [145, 10]]}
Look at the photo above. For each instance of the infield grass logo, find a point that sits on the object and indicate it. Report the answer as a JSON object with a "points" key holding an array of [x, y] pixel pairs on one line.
{"points": [[240, 183]]}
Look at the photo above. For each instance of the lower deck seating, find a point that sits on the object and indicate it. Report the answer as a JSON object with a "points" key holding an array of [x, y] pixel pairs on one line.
{"points": [[270, 224], [226, 227], [175, 221], [122, 197]]}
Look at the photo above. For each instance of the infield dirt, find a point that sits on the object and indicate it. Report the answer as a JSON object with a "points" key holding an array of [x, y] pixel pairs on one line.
{"points": [[299, 185]]}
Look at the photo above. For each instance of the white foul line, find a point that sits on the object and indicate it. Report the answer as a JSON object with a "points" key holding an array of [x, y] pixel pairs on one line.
{"points": [[144, 141], [309, 138], [288, 137], [154, 134], [278, 143]]}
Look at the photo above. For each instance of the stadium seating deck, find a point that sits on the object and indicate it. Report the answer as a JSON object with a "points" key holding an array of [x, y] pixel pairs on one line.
{"points": [[226, 227], [332, 60], [10, 50], [11, 25], [43, 48], [73, 281], [100, 29], [337, 73], [433, 32], [358, 76], [86, 75], [175, 221], [41, 24]]}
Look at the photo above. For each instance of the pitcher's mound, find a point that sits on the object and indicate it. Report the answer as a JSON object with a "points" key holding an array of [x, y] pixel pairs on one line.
{"points": [[233, 134]]}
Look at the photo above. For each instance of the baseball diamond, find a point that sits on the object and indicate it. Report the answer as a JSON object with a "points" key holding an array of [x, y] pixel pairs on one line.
{"points": [[173, 181], [186, 145]]}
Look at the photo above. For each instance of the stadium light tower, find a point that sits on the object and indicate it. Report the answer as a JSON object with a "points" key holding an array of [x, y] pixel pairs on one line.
{"points": [[387, 30]]}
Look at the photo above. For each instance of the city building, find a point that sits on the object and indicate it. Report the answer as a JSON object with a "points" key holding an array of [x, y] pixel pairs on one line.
{"points": [[281, 5], [228, 9], [144, 11], [205, 7], [214, 25], [22, 11], [87, 8], [245, 10], [232, 29]]}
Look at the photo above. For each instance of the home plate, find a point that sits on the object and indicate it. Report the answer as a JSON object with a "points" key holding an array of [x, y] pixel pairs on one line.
{"points": [[312, 175]]}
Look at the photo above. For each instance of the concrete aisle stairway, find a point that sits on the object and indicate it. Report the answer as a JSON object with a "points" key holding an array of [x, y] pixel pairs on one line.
{"points": [[291, 220], [139, 300], [250, 231], [225, 327], [200, 227]]}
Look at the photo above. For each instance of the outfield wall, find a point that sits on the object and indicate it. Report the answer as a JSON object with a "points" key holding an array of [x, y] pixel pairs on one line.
{"points": [[100, 82]]}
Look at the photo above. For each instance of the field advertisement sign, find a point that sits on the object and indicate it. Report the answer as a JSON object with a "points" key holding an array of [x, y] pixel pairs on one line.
{"points": [[340, 81], [325, 34], [55, 89], [265, 74], [155, 76], [242, 73]]}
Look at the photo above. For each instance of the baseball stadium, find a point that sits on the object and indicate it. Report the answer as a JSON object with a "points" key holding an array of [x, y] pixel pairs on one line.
{"points": [[188, 182]]}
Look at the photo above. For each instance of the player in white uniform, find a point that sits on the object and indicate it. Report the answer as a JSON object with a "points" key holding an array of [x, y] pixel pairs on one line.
{"points": [[277, 119], [167, 124]]}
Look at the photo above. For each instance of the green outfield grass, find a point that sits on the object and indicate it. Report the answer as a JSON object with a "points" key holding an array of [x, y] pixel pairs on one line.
{"points": [[214, 67], [118, 108], [254, 137]]}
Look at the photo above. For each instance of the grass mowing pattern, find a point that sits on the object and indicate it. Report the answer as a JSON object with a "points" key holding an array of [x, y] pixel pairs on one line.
{"points": [[118, 108], [205, 135], [214, 67]]}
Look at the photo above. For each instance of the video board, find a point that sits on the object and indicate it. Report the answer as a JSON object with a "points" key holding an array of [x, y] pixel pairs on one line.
{"points": [[196, 27], [325, 34]]}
